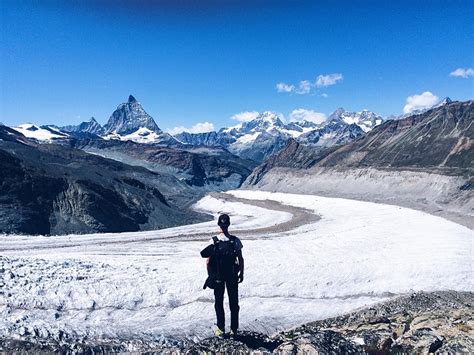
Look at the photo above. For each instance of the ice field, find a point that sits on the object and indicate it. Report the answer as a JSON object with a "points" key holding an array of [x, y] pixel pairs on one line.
{"points": [[149, 284]]}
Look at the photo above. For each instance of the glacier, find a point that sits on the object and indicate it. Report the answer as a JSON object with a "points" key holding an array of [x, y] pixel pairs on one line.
{"points": [[148, 285]]}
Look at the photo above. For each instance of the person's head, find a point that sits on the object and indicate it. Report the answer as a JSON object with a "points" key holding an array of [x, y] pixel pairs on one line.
{"points": [[224, 222]]}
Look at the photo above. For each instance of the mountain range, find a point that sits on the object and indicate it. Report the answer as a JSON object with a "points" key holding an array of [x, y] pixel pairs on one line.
{"points": [[145, 178], [256, 139], [424, 161], [55, 189]]}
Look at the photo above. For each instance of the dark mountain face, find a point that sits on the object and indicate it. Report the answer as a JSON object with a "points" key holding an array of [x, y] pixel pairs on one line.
{"points": [[198, 167], [129, 117], [52, 189], [440, 139], [210, 139], [293, 155]]}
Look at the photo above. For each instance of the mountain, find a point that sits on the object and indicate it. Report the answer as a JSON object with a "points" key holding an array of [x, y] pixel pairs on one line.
{"points": [[91, 126], [129, 117], [54, 189], [259, 138], [365, 119], [201, 168], [131, 122], [8, 134], [443, 102], [331, 134], [424, 160], [267, 134], [131, 136], [41, 134], [210, 139], [256, 139]]}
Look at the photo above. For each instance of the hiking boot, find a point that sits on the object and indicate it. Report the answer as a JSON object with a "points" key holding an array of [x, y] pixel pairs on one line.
{"points": [[218, 332]]}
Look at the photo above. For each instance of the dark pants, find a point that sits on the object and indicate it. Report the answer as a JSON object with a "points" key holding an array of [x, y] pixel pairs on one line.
{"points": [[233, 294]]}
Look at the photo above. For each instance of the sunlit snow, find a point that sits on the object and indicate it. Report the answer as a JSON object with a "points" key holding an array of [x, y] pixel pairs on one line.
{"points": [[133, 284]]}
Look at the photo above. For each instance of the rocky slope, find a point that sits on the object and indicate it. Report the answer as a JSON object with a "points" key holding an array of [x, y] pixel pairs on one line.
{"points": [[201, 168], [437, 322], [52, 189], [423, 161]]}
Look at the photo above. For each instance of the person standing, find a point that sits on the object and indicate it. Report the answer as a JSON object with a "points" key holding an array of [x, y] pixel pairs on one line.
{"points": [[225, 267]]}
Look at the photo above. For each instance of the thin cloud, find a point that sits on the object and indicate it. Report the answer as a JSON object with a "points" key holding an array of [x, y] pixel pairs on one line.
{"points": [[245, 116], [462, 73], [328, 79], [417, 102], [305, 86], [282, 87], [200, 127], [301, 114]]}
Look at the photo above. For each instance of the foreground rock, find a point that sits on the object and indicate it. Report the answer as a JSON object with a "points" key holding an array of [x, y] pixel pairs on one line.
{"points": [[438, 322]]}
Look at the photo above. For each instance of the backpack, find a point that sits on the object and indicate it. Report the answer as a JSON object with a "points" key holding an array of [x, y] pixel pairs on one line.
{"points": [[223, 263]]}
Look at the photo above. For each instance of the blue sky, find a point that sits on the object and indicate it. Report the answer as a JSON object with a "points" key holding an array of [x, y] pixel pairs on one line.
{"points": [[206, 61]]}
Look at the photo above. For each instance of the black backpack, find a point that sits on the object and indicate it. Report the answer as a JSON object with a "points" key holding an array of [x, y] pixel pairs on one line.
{"points": [[223, 263]]}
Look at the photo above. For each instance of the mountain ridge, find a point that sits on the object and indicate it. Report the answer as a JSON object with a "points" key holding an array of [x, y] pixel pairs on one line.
{"points": [[424, 162]]}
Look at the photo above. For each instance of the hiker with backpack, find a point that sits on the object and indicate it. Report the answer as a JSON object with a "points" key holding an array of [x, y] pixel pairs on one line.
{"points": [[225, 267]]}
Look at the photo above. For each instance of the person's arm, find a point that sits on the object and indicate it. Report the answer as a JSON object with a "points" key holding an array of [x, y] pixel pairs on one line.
{"points": [[207, 264], [241, 266]]}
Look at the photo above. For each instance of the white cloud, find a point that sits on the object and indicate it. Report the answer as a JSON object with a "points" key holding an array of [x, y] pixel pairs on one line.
{"points": [[416, 102], [328, 80], [200, 127], [308, 115], [304, 87], [245, 116], [462, 72], [324, 95], [282, 87]]}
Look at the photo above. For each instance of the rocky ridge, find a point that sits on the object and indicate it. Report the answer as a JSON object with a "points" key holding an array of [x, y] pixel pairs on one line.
{"points": [[91, 126], [437, 322], [423, 161]]}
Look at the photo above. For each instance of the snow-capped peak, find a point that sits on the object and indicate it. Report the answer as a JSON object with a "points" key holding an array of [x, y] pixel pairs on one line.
{"points": [[268, 116], [128, 118], [445, 101], [43, 133], [365, 119]]}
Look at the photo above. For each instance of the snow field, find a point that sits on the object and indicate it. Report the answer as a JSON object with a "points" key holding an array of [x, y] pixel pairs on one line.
{"points": [[149, 284]]}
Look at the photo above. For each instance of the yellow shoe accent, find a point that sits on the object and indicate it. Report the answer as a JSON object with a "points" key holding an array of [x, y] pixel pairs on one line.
{"points": [[218, 332]]}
